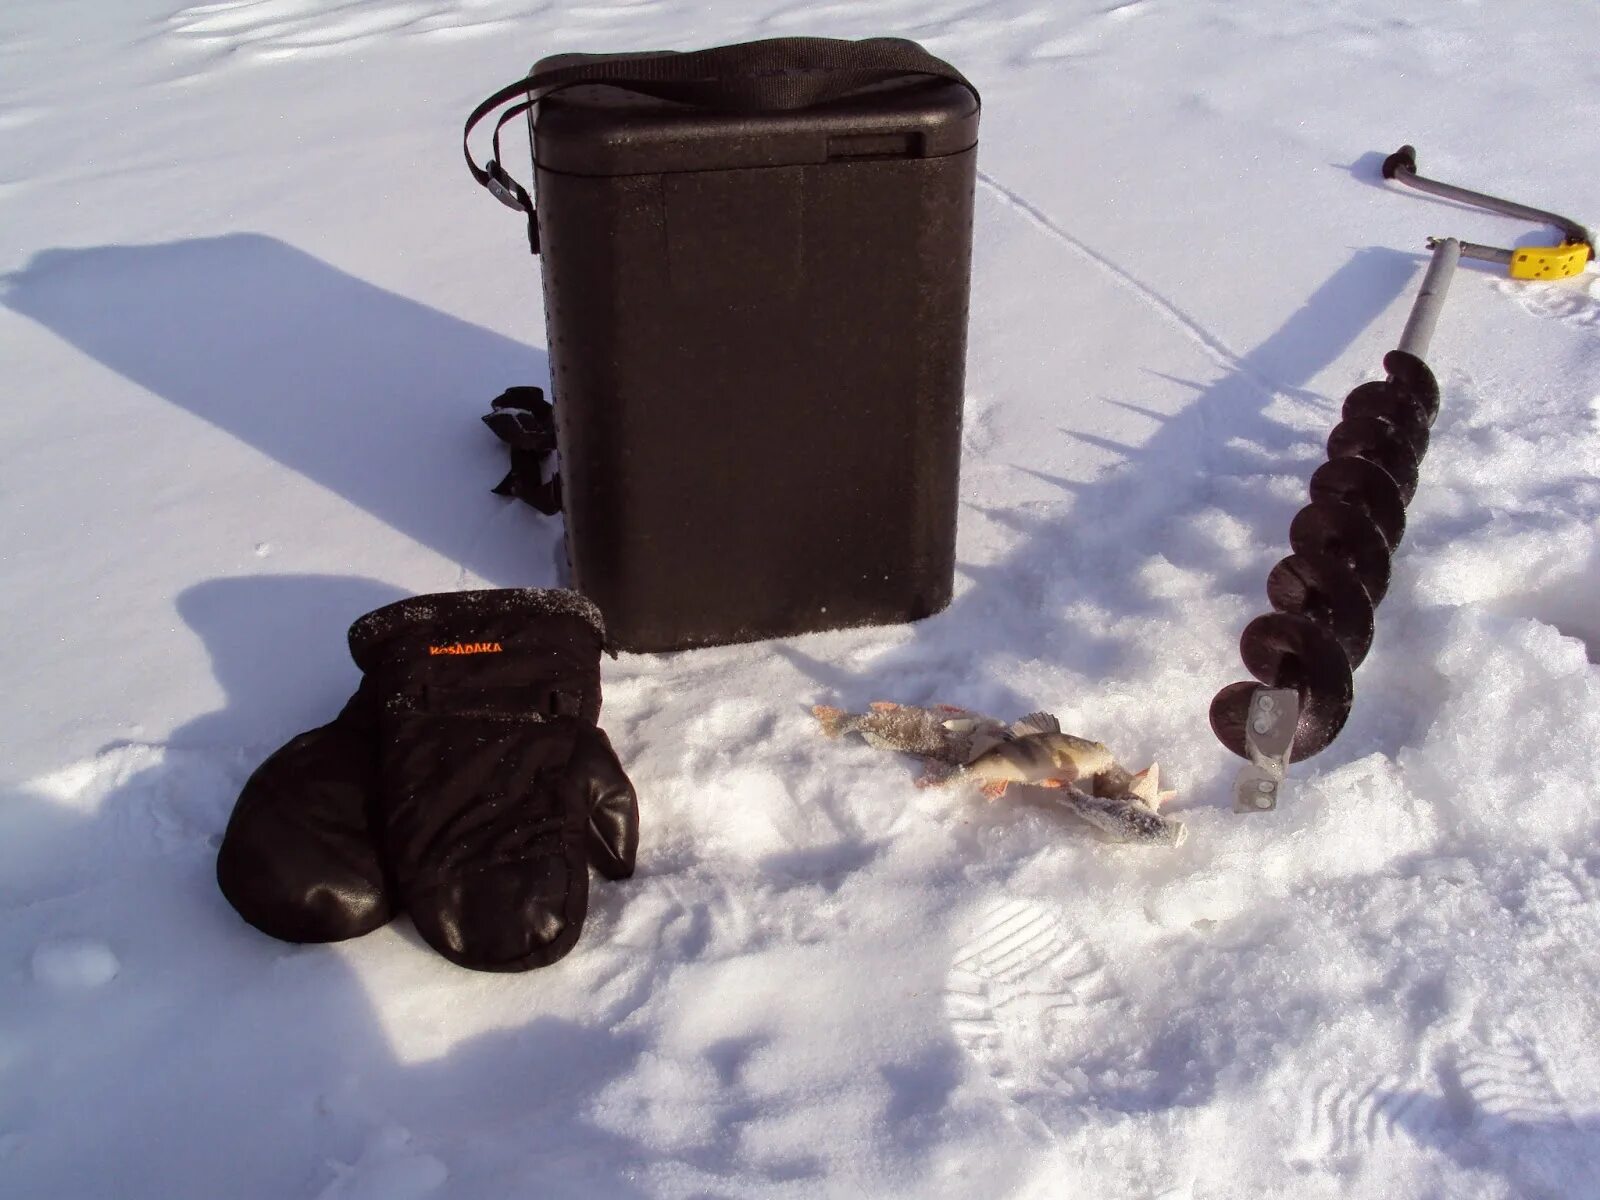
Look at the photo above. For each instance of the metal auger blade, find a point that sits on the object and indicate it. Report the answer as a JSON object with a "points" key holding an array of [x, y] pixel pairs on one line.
{"points": [[1362, 484], [1329, 592], [1346, 533]]}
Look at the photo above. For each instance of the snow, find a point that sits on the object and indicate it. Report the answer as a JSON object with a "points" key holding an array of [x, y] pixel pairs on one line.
{"points": [[252, 307]]}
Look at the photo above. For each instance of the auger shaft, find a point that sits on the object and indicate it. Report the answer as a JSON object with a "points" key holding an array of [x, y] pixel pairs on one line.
{"points": [[1430, 298]]}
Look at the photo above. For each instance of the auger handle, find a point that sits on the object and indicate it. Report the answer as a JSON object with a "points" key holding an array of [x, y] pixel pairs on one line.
{"points": [[1401, 166]]}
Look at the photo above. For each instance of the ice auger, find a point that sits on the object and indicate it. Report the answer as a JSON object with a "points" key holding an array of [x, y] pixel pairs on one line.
{"points": [[1303, 653]]}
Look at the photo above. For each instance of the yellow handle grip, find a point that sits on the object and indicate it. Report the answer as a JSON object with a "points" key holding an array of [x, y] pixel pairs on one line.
{"points": [[1549, 262]]}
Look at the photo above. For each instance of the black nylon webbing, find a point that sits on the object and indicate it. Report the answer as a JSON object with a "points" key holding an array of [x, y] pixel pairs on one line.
{"points": [[775, 74]]}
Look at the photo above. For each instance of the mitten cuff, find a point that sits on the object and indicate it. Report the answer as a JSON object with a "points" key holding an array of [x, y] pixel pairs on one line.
{"points": [[484, 651], [464, 608]]}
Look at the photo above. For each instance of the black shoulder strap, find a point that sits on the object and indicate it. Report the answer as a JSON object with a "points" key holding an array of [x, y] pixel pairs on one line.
{"points": [[770, 75]]}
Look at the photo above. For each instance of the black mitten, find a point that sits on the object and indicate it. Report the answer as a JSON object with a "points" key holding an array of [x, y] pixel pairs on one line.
{"points": [[299, 859], [496, 789]]}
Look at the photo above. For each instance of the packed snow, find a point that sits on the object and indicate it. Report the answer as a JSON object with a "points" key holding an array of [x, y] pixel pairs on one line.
{"points": [[251, 309]]}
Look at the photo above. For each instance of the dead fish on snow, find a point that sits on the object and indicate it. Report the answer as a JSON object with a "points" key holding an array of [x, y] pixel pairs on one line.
{"points": [[1033, 753], [944, 733], [1037, 751], [1122, 805]]}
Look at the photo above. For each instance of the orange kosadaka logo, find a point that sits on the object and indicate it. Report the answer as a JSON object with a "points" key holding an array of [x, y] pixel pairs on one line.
{"points": [[467, 648]]}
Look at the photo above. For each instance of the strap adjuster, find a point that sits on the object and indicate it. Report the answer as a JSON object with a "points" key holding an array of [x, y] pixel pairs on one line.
{"points": [[500, 186]]}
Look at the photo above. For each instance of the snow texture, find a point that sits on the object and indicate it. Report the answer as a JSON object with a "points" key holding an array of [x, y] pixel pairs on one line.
{"points": [[251, 311]]}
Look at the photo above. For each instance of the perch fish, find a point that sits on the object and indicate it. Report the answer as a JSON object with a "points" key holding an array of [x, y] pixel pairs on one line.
{"points": [[1124, 806], [942, 733], [1036, 751], [1032, 755]]}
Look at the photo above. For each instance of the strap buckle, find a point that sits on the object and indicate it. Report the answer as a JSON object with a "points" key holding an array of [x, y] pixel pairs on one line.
{"points": [[500, 186]]}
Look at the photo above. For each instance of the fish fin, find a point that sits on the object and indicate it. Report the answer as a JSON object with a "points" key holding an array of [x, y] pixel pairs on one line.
{"points": [[995, 788], [1146, 785], [1036, 722], [982, 743], [831, 719], [949, 708], [883, 706]]}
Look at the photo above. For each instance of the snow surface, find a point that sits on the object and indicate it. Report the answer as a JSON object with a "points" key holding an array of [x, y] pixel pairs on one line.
{"points": [[252, 307]]}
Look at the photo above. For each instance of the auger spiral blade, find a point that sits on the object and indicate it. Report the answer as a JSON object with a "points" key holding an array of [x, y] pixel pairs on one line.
{"points": [[1377, 442], [1283, 650], [1344, 532], [1230, 712], [1414, 379], [1362, 484], [1330, 593], [1304, 653], [1389, 404]]}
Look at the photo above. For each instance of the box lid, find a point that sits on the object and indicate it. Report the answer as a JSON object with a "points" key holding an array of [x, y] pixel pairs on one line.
{"points": [[601, 129]]}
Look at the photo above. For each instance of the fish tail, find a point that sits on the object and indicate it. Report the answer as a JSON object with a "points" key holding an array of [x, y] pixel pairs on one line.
{"points": [[833, 720]]}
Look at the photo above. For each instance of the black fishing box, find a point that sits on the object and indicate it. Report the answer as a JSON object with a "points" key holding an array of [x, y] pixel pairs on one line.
{"points": [[757, 324]]}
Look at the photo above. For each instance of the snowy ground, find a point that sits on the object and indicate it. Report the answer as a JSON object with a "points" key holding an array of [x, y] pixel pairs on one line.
{"points": [[251, 309]]}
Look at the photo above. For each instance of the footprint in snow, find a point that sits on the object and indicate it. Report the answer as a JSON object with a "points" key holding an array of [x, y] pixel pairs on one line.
{"points": [[1487, 1093], [1021, 975], [1561, 900], [1574, 302], [1341, 1123], [1511, 1086]]}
